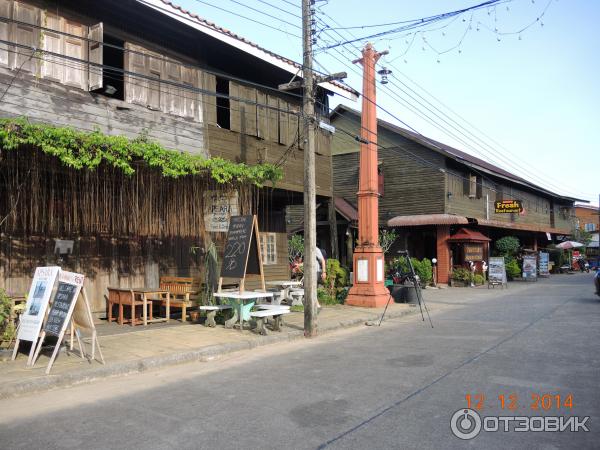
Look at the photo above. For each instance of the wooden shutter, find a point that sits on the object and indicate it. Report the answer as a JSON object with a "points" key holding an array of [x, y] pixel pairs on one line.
{"points": [[52, 66], [26, 36], [283, 122], [293, 125], [209, 102], [250, 110], [136, 88], [95, 51], [157, 90], [189, 77], [479, 187], [273, 119], [235, 117], [466, 184], [262, 125], [5, 11], [76, 69], [173, 100]]}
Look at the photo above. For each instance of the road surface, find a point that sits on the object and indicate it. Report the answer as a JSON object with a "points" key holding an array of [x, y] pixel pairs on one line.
{"points": [[391, 387]]}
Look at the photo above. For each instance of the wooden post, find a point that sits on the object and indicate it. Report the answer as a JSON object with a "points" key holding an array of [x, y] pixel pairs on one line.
{"points": [[310, 196], [333, 228]]}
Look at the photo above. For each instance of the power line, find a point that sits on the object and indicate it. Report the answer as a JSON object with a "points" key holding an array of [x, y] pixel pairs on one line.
{"points": [[393, 94], [417, 23], [266, 14]]}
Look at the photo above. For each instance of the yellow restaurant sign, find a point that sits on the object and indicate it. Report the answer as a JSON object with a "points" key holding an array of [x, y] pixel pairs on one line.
{"points": [[509, 206]]}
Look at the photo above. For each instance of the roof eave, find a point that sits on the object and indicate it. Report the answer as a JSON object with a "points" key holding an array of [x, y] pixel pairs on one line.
{"points": [[176, 14]]}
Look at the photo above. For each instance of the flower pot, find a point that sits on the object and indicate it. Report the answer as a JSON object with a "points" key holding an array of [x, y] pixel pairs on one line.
{"points": [[194, 316]]}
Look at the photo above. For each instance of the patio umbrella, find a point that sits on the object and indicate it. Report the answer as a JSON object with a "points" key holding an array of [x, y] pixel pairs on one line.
{"points": [[569, 244]]}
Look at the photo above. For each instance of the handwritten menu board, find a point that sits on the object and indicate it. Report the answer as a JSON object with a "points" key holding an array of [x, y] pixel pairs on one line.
{"points": [[61, 308], [241, 248]]}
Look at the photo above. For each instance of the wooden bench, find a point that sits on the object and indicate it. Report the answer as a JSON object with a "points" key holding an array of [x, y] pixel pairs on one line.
{"points": [[275, 312], [125, 297], [211, 312], [181, 289]]}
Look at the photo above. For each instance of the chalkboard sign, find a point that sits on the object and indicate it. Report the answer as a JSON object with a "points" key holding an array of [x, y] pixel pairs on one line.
{"points": [[61, 307], [242, 252]]}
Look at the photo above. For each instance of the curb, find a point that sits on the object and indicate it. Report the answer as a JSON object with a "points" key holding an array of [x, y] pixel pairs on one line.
{"points": [[204, 354]]}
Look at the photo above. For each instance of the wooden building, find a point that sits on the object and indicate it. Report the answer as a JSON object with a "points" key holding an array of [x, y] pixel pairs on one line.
{"points": [[429, 191], [150, 70]]}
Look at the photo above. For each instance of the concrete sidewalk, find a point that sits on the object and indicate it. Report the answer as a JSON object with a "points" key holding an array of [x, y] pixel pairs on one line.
{"points": [[128, 350]]}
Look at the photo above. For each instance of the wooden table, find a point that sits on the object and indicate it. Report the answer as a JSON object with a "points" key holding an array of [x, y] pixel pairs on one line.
{"points": [[145, 293], [243, 303]]}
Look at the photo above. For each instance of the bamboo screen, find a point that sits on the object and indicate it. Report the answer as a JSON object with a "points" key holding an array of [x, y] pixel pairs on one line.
{"points": [[43, 197]]}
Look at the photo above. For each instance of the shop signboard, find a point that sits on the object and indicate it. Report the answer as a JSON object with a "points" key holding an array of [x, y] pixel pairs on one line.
{"points": [[473, 252], [509, 206], [218, 209]]}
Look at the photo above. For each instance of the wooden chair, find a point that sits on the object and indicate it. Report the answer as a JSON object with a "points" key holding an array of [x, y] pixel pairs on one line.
{"points": [[182, 289], [125, 297]]}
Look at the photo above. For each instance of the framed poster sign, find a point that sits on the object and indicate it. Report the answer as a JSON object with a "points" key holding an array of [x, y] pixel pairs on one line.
{"points": [[530, 268], [544, 264], [496, 271], [32, 318]]}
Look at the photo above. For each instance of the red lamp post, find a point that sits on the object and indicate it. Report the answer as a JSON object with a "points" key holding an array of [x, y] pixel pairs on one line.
{"points": [[369, 288]]}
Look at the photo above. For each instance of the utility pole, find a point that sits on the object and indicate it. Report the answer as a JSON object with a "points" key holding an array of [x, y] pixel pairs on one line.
{"points": [[368, 288], [310, 196]]}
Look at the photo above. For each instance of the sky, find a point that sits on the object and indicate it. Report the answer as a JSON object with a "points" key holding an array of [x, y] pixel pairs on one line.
{"points": [[528, 102]]}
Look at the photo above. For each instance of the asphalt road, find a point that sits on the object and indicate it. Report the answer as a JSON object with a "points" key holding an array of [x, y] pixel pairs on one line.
{"points": [[391, 387]]}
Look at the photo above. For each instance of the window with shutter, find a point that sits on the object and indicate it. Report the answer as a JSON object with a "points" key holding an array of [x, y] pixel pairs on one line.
{"points": [[76, 68], [25, 36], [52, 66], [273, 119], [268, 247], [472, 186], [5, 11], [209, 102]]}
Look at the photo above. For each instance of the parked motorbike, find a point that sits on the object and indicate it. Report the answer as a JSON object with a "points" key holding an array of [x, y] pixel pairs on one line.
{"points": [[597, 282]]}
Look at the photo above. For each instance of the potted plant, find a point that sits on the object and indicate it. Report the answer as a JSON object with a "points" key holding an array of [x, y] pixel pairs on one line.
{"points": [[461, 277]]}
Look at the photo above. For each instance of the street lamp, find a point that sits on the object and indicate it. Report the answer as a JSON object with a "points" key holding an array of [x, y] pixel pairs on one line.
{"points": [[434, 262]]}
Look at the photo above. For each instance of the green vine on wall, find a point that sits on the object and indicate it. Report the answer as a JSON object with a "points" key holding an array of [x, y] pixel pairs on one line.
{"points": [[87, 150]]}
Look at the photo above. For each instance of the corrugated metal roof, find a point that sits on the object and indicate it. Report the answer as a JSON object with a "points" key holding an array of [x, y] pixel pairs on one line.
{"points": [[427, 219], [451, 152], [199, 23]]}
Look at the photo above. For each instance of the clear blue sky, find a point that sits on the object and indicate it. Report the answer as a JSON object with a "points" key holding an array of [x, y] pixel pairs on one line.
{"points": [[537, 97]]}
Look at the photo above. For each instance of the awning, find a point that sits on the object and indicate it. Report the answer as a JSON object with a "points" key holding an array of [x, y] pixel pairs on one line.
{"points": [[521, 226], [427, 219], [343, 207], [466, 235]]}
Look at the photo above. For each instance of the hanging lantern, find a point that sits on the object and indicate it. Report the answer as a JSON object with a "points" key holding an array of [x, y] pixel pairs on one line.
{"points": [[384, 75]]}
